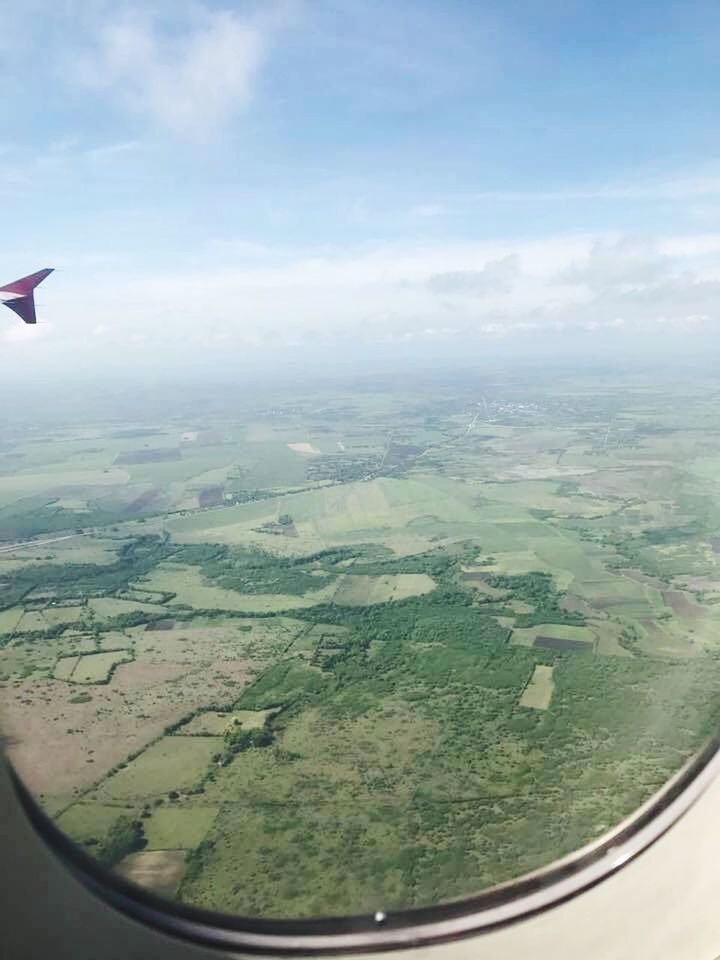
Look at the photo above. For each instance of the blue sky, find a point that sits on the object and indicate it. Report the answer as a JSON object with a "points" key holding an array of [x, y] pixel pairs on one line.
{"points": [[248, 175]]}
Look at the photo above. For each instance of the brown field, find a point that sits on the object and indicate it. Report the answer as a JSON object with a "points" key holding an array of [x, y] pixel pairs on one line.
{"points": [[683, 606], [158, 870], [217, 640], [699, 584], [211, 496], [478, 581], [121, 717], [561, 643], [574, 604]]}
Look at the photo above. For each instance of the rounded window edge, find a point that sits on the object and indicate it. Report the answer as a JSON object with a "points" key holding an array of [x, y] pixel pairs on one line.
{"points": [[488, 910]]}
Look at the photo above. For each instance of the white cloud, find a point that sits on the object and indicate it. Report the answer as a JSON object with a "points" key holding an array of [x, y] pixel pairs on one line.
{"points": [[497, 276], [626, 262], [191, 80], [109, 150], [230, 307], [22, 334]]}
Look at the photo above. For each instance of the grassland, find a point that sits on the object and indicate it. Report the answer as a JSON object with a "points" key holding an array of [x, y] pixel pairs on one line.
{"points": [[492, 633], [192, 589], [214, 723], [173, 827], [89, 821], [362, 590], [538, 693], [172, 763], [94, 667]]}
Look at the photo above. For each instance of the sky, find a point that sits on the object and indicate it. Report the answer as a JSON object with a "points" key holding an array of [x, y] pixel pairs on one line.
{"points": [[222, 186]]}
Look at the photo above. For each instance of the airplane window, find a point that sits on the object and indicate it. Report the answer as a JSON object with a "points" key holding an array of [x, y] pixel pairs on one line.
{"points": [[359, 462]]}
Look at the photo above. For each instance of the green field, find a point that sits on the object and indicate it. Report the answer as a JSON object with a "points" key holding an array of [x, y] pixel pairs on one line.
{"points": [[173, 763], [95, 667], [173, 828], [213, 723], [87, 821], [107, 607], [191, 588], [65, 667], [360, 590]]}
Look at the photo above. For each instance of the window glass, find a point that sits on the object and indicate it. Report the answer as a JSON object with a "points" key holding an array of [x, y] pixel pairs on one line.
{"points": [[359, 479]]}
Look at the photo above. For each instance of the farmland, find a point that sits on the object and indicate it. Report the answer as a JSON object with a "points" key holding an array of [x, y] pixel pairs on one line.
{"points": [[443, 634]]}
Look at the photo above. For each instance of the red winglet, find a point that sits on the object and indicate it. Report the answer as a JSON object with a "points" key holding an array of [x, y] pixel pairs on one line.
{"points": [[26, 285]]}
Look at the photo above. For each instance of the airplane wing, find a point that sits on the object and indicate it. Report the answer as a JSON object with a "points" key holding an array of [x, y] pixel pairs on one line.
{"points": [[19, 295]]}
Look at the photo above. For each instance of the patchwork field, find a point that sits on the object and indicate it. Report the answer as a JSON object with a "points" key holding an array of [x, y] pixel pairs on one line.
{"points": [[340, 649], [192, 589]]}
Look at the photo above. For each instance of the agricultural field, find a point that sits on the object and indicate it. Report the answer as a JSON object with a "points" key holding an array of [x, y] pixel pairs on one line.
{"points": [[359, 591], [352, 648], [158, 870], [538, 693], [170, 763], [90, 667], [172, 827], [214, 723]]}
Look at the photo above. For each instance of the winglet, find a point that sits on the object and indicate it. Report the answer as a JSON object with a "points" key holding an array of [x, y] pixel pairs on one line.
{"points": [[24, 307], [18, 295], [26, 285]]}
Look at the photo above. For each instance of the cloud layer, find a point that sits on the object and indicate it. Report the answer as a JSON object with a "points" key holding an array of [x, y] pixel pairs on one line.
{"points": [[257, 305]]}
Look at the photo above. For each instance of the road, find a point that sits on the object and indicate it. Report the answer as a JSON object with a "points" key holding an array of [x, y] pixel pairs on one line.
{"points": [[40, 543]]}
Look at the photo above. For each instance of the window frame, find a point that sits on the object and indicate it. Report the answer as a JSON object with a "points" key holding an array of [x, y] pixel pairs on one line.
{"points": [[489, 910]]}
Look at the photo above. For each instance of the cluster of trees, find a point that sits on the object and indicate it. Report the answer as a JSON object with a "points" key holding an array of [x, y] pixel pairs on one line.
{"points": [[125, 836], [237, 740], [536, 588], [285, 682], [195, 861], [255, 571], [136, 558]]}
